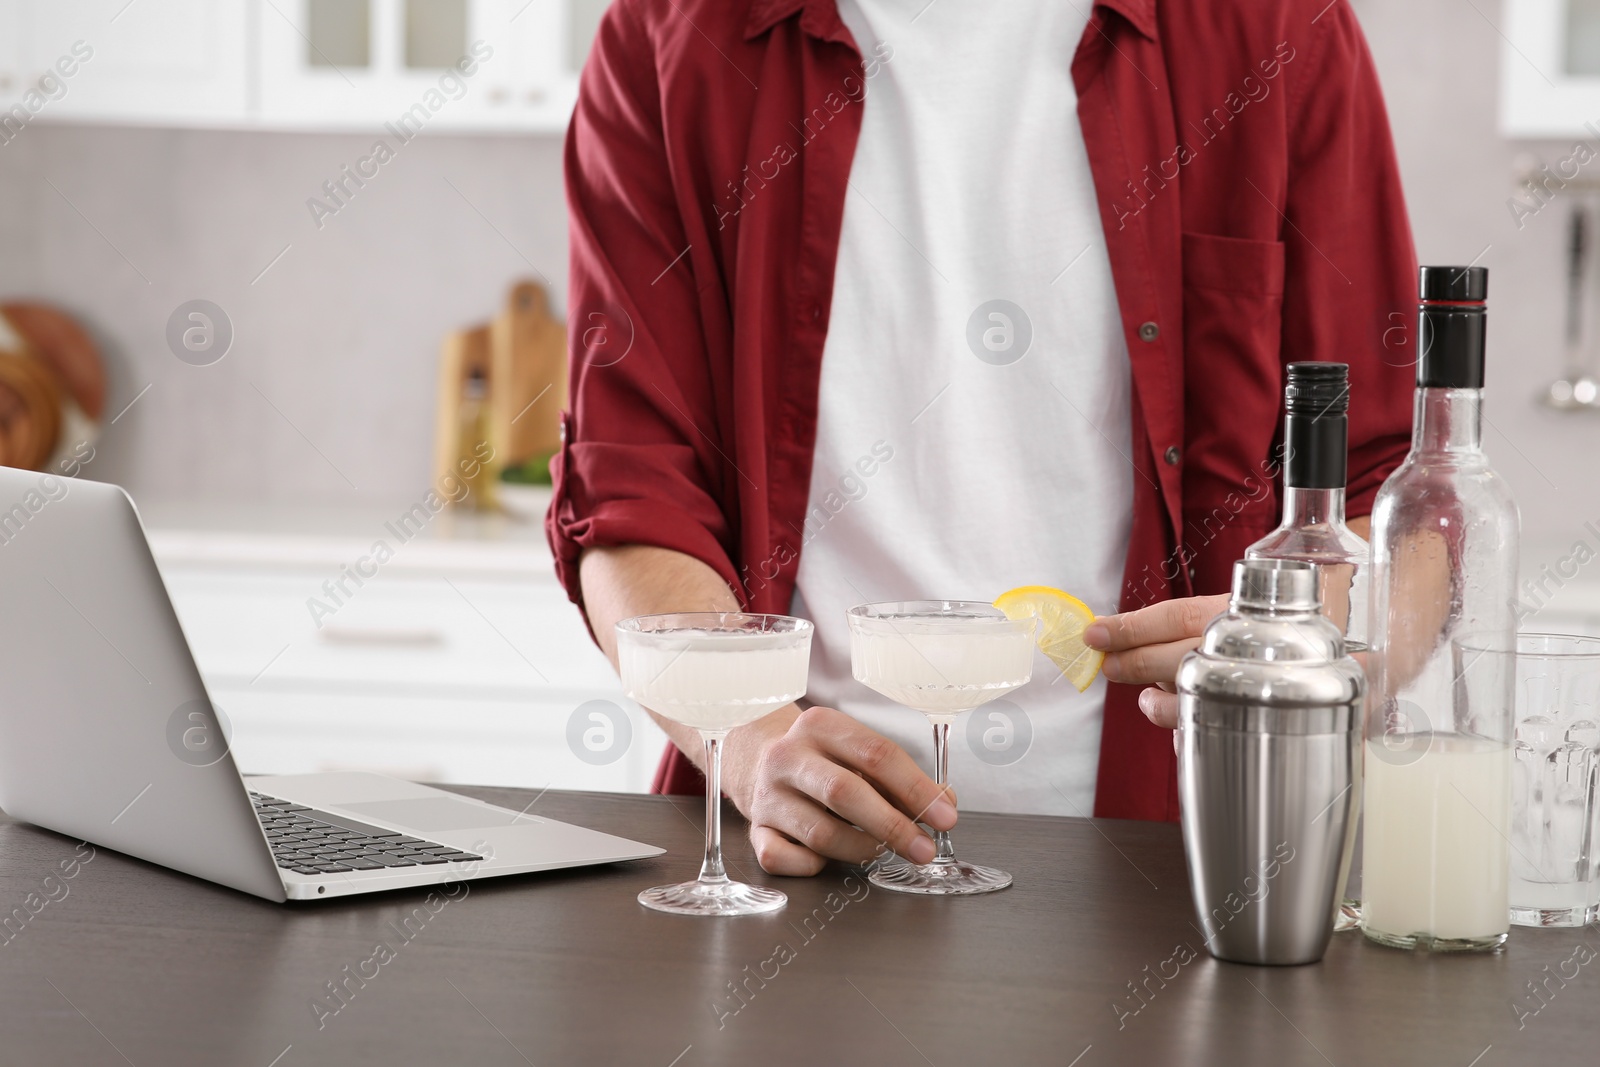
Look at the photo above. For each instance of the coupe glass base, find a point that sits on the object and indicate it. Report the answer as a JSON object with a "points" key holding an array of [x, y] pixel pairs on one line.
{"points": [[949, 878], [713, 898]]}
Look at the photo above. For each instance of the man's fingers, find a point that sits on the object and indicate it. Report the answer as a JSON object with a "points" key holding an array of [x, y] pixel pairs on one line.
{"points": [[1160, 707], [1170, 620], [858, 803], [922, 816], [884, 764], [803, 820], [1148, 664], [779, 855]]}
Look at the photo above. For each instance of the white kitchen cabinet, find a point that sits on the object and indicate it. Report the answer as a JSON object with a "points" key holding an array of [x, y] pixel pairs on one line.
{"points": [[10, 54], [392, 64], [421, 633], [1549, 68], [172, 61], [581, 20], [459, 661], [365, 65], [509, 742]]}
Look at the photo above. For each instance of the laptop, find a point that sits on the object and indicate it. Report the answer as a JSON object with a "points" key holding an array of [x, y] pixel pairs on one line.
{"points": [[107, 734]]}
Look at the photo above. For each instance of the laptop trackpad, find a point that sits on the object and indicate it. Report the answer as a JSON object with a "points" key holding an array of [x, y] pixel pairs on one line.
{"points": [[437, 814]]}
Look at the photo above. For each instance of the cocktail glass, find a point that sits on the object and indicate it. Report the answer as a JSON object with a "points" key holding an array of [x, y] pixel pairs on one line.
{"points": [[940, 657], [713, 671]]}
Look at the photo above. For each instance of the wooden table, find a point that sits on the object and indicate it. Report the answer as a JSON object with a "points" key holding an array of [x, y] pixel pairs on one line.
{"points": [[138, 965]]}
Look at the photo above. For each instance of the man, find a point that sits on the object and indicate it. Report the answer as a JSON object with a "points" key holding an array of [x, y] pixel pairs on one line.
{"points": [[883, 299]]}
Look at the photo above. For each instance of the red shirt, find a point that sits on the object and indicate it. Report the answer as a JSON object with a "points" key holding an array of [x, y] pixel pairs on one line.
{"points": [[1252, 211]]}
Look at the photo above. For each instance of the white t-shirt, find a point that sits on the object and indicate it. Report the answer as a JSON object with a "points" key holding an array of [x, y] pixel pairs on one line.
{"points": [[974, 411]]}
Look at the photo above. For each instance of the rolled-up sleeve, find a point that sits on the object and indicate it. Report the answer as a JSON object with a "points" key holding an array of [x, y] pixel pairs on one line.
{"points": [[1348, 242], [639, 462]]}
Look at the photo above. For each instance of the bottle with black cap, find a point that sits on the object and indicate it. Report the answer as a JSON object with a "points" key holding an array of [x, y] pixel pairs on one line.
{"points": [[1316, 401], [1437, 796], [1316, 404]]}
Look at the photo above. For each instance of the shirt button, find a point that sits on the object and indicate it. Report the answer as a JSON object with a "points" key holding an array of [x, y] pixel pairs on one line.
{"points": [[1171, 456], [816, 312], [1149, 332], [1191, 572]]}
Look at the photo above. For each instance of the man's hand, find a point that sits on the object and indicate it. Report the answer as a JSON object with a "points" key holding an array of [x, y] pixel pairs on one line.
{"points": [[1144, 647], [807, 781]]}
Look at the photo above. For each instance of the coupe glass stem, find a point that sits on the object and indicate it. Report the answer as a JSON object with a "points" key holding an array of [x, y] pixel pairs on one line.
{"points": [[712, 870], [945, 853]]}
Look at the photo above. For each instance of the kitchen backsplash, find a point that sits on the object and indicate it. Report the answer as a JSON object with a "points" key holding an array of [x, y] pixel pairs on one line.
{"points": [[328, 390]]}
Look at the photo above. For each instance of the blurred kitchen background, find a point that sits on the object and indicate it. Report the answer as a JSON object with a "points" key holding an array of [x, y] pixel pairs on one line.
{"points": [[180, 159]]}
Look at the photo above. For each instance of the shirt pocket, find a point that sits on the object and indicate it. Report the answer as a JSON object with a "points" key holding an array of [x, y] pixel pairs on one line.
{"points": [[1232, 265], [1233, 384]]}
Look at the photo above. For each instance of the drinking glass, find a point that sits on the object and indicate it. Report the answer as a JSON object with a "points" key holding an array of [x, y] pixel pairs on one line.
{"points": [[1555, 825], [940, 657], [713, 671]]}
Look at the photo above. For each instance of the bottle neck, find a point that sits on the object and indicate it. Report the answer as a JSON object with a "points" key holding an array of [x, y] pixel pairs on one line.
{"points": [[1448, 420], [1315, 446], [1312, 507]]}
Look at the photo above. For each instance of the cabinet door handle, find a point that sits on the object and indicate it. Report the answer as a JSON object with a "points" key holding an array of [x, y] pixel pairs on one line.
{"points": [[385, 638]]}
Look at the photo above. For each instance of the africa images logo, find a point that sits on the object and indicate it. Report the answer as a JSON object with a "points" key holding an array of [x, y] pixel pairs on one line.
{"points": [[999, 733], [197, 733], [999, 332], [199, 332]]}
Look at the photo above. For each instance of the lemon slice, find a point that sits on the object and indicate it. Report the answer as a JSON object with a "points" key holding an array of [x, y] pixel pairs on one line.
{"points": [[1062, 620]]}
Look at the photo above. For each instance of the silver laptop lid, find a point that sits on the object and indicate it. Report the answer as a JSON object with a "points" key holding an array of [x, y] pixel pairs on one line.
{"points": [[106, 731]]}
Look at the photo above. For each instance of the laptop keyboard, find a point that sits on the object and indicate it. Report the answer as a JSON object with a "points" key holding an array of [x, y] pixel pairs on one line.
{"points": [[308, 841]]}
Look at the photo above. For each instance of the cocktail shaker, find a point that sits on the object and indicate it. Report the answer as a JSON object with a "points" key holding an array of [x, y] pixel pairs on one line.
{"points": [[1269, 768]]}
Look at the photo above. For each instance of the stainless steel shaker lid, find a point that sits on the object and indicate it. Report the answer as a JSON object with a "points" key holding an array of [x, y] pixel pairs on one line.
{"points": [[1275, 585], [1273, 651]]}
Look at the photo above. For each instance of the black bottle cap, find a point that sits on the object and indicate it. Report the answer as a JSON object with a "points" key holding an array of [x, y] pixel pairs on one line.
{"points": [[1317, 389], [1316, 401], [1451, 321], [1454, 283]]}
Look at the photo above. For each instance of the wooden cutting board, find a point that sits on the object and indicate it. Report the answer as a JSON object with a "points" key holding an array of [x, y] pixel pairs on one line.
{"points": [[528, 376], [521, 357]]}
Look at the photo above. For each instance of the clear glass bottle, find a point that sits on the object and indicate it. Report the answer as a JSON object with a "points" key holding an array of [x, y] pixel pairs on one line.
{"points": [[1316, 400], [1439, 722], [1316, 403], [483, 483]]}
